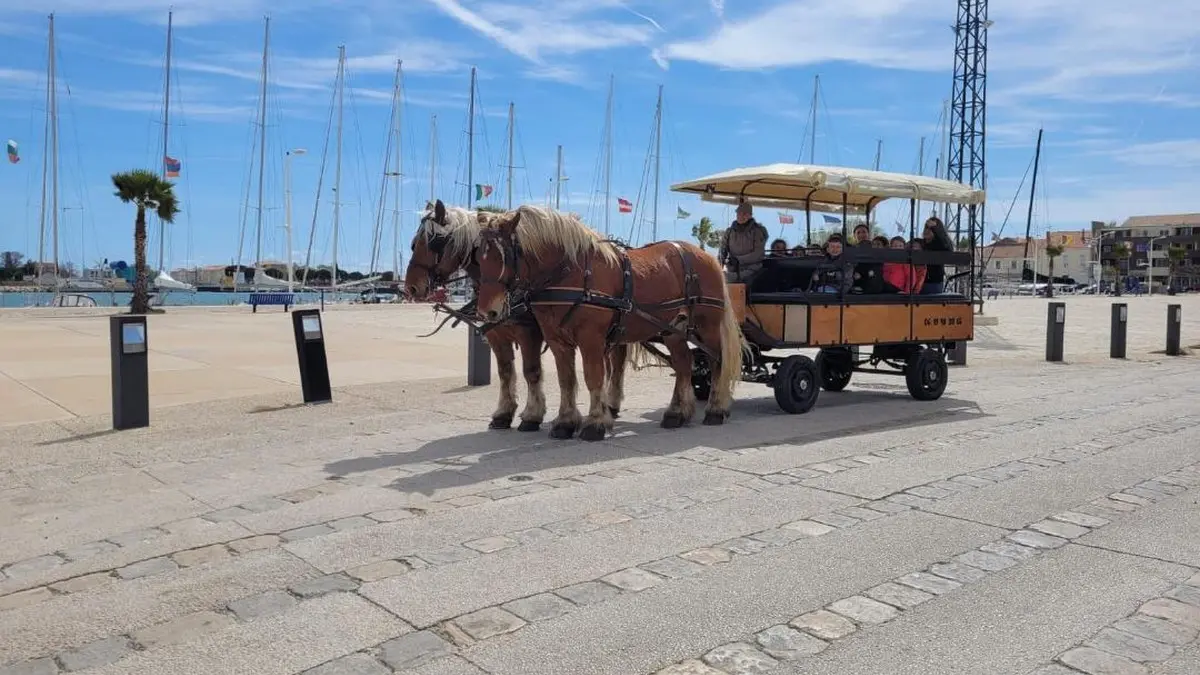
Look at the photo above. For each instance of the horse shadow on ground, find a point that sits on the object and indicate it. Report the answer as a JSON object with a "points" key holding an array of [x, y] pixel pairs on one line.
{"points": [[493, 459]]}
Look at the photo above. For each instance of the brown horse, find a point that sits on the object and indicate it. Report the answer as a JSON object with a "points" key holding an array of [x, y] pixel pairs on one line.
{"points": [[446, 242], [588, 294]]}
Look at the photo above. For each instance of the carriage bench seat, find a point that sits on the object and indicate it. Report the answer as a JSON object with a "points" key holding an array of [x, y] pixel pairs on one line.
{"points": [[285, 299], [820, 299]]}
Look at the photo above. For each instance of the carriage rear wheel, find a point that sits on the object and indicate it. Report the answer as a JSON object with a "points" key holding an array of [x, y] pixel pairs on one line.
{"points": [[797, 384], [925, 374], [701, 375], [837, 367]]}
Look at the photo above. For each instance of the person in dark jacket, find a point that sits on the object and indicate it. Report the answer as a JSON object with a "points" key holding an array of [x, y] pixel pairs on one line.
{"points": [[935, 239], [743, 246]]}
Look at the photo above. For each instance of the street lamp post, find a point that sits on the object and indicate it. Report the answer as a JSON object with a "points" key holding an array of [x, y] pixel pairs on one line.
{"points": [[1150, 263], [1098, 265], [287, 208]]}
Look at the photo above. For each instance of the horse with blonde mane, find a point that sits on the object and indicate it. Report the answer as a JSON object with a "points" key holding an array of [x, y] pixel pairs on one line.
{"points": [[446, 241], [590, 295]]}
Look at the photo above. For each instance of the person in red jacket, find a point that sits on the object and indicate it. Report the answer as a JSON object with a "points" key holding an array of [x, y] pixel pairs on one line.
{"points": [[903, 277]]}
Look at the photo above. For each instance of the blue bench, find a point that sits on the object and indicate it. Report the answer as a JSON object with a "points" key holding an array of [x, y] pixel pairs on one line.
{"points": [[285, 299]]}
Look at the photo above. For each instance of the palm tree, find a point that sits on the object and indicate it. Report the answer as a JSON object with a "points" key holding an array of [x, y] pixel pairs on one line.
{"points": [[1120, 251], [1052, 252], [707, 235], [146, 190], [489, 208], [1175, 256]]}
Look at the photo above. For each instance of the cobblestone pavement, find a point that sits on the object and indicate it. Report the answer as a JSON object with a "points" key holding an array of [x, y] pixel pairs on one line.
{"points": [[1037, 519]]}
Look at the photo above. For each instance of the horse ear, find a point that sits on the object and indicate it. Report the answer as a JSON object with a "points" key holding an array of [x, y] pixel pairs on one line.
{"points": [[439, 212], [508, 226], [428, 206]]}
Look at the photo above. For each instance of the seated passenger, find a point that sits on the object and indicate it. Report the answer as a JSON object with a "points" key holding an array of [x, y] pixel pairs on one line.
{"points": [[902, 277], [779, 249], [798, 251], [742, 245], [862, 235], [831, 280], [868, 277], [936, 239]]}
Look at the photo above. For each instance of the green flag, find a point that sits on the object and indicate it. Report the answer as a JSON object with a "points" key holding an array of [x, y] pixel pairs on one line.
{"points": [[680, 213]]}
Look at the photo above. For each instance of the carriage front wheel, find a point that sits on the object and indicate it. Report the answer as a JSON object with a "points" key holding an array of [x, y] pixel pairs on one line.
{"points": [[797, 384], [925, 374], [701, 375]]}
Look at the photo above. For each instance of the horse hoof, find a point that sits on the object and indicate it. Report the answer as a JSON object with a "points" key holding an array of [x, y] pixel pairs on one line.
{"points": [[713, 419], [592, 432], [529, 426], [562, 431], [672, 421], [501, 422]]}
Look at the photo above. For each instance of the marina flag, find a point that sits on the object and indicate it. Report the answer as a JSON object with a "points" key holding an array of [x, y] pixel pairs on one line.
{"points": [[680, 213], [831, 219], [624, 205], [482, 191], [786, 219], [899, 228], [173, 166], [13, 157]]}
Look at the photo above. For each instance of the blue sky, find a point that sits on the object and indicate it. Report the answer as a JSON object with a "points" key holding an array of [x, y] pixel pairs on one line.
{"points": [[1118, 93]]}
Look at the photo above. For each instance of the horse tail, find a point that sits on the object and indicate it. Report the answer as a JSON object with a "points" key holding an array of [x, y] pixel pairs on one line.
{"points": [[733, 348], [641, 357]]}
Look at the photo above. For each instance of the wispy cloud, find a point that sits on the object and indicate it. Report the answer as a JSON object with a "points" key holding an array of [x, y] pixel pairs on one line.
{"points": [[538, 31]]}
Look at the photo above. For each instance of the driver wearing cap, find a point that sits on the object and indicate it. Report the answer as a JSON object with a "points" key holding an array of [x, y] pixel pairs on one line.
{"points": [[743, 245]]}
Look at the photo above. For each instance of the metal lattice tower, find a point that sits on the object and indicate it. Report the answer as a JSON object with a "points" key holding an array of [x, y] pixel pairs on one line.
{"points": [[968, 115]]}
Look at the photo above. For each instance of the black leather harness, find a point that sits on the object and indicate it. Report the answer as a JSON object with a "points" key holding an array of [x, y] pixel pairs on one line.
{"points": [[523, 295]]}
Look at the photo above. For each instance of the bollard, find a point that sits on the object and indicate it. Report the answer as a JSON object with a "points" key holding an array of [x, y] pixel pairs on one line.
{"points": [[957, 355], [130, 372], [1056, 321], [479, 360], [1174, 325], [310, 352], [1120, 322]]}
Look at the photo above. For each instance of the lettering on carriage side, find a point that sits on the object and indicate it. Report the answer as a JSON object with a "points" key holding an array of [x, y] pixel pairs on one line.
{"points": [[943, 321]]}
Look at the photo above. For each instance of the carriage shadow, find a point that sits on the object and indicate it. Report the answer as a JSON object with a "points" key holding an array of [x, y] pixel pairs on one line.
{"points": [[499, 459]]}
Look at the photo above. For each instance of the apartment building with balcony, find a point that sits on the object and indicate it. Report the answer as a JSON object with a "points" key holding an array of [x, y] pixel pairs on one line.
{"points": [[1148, 238]]}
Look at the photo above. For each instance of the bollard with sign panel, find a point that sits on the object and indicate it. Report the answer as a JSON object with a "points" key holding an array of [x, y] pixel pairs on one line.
{"points": [[1174, 328], [1118, 331], [129, 347], [1056, 321], [310, 351]]}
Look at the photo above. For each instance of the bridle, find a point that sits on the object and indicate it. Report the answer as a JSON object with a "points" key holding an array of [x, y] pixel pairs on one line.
{"points": [[436, 244], [509, 280]]}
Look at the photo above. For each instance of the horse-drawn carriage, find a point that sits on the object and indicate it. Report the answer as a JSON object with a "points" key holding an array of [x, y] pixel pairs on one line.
{"points": [[906, 333]]}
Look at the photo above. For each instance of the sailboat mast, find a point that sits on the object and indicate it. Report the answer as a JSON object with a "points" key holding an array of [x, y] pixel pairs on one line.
{"points": [[608, 155], [657, 161], [337, 175], [432, 157], [812, 124], [262, 153], [512, 121], [920, 167], [45, 157], [398, 175], [471, 144], [878, 153], [54, 149], [162, 226], [1037, 159], [558, 180]]}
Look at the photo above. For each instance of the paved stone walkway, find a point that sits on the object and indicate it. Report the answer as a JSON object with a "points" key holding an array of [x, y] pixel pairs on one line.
{"points": [[1038, 519]]}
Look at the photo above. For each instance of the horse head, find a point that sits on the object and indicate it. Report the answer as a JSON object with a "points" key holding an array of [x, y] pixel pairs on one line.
{"points": [[444, 243], [500, 268]]}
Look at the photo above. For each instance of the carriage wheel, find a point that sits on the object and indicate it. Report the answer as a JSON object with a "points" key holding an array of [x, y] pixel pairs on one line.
{"points": [[926, 373], [836, 368], [701, 375], [797, 384]]}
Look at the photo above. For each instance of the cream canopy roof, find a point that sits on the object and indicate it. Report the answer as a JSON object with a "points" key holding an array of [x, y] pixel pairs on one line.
{"points": [[821, 188]]}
